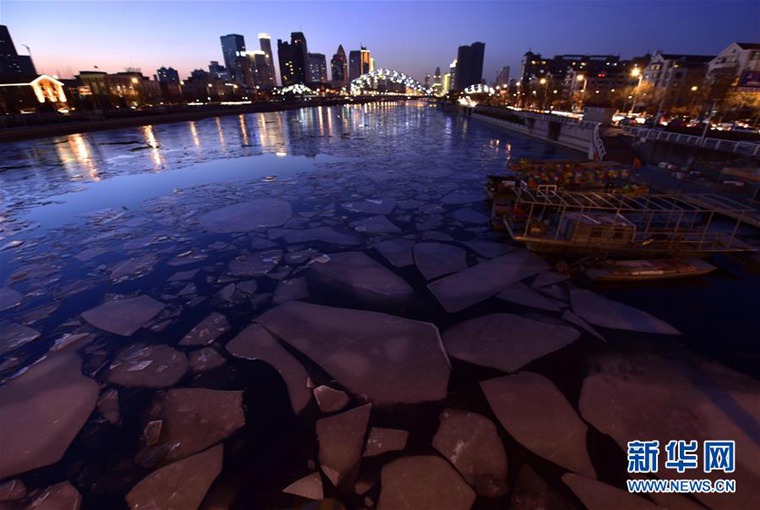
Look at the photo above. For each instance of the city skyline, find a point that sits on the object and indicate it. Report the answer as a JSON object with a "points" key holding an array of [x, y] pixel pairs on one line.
{"points": [[414, 39]]}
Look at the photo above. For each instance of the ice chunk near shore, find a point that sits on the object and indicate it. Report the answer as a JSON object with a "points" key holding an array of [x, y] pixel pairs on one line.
{"points": [[531, 492], [193, 420], [125, 316], [371, 206], [341, 441], [330, 399], [375, 225], [13, 336], [600, 311], [181, 485], [488, 249], [600, 496], [546, 425], [255, 342], [205, 359], [9, 298], [523, 295], [309, 487], [247, 216], [469, 215], [383, 440], [505, 341], [322, 234], [478, 283], [42, 411], [385, 358], [147, 366], [471, 443], [436, 259], [208, 330], [291, 290], [398, 252], [423, 482], [463, 197], [359, 273], [61, 496]]}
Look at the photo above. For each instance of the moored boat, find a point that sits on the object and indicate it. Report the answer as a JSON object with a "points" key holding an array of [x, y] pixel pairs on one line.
{"points": [[642, 270]]}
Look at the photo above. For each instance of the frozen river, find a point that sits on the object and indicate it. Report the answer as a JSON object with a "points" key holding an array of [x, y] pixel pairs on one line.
{"points": [[254, 311]]}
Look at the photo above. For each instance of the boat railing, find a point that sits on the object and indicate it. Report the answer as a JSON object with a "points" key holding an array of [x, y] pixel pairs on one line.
{"points": [[738, 147]]}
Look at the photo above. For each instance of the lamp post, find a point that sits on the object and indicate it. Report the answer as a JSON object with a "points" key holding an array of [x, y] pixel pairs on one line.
{"points": [[634, 74], [545, 83], [694, 94], [582, 78]]}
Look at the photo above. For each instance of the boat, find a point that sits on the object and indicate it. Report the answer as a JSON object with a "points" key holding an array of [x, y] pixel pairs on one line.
{"points": [[549, 220], [644, 270]]}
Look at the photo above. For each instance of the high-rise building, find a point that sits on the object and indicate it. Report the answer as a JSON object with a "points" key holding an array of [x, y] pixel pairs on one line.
{"points": [[339, 67], [358, 63], [13, 65], [502, 78], [317, 68], [218, 71], [437, 82], [235, 58], [167, 75], [268, 75], [452, 75], [262, 74], [293, 58], [469, 65]]}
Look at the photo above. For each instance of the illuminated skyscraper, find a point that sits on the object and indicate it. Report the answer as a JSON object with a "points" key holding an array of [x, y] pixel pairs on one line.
{"points": [[236, 59], [469, 65], [317, 68], [13, 65], [358, 63], [267, 74], [339, 67], [293, 59]]}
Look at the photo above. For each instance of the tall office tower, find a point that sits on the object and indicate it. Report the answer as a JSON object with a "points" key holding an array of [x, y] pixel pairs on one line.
{"points": [[437, 76], [339, 67], [235, 58], [268, 75], [469, 65], [452, 75], [503, 78], [317, 68], [167, 75], [426, 83], [293, 59], [13, 65], [358, 63]]}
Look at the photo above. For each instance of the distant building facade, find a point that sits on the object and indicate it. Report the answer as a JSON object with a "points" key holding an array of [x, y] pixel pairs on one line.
{"points": [[358, 63], [317, 68], [339, 67], [293, 59], [502, 78], [469, 70], [13, 65], [168, 75]]}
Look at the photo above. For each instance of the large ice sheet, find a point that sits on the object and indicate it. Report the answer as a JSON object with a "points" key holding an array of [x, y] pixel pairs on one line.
{"points": [[423, 482], [396, 251], [255, 342], [41, 412], [357, 272], [478, 283], [523, 295], [437, 259], [539, 417], [600, 311], [125, 316], [181, 485], [385, 358], [147, 366], [341, 441], [472, 445], [505, 341], [247, 216]]}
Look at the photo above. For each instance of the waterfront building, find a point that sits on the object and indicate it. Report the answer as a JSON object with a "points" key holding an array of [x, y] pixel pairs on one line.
{"points": [[169, 74], [219, 71], [235, 58], [317, 68], [446, 83], [502, 79], [733, 65], [469, 69], [293, 57], [267, 74], [675, 79], [452, 75], [339, 67], [13, 65], [43, 93], [358, 63]]}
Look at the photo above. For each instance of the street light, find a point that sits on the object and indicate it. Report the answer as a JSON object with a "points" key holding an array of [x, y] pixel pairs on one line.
{"points": [[635, 73], [582, 78], [545, 83]]}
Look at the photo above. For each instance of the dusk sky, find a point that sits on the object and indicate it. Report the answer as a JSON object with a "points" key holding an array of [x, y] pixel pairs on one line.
{"points": [[411, 36]]}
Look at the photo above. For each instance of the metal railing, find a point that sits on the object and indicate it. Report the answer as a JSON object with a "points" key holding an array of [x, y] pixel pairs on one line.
{"points": [[599, 149], [738, 147]]}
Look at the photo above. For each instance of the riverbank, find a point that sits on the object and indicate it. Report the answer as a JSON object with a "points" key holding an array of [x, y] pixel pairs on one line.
{"points": [[143, 118]]}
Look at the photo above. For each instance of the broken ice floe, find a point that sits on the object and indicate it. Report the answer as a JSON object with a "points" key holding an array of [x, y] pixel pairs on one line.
{"points": [[147, 366], [341, 441], [423, 482], [436, 259], [356, 272], [247, 216], [123, 317], [606, 313]]}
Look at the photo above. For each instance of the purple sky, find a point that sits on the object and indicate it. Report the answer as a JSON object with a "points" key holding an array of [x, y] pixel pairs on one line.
{"points": [[411, 36]]}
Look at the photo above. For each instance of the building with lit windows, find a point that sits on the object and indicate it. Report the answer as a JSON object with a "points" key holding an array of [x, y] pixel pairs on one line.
{"points": [[170, 75], [267, 74], [674, 76], [358, 63], [235, 58], [12, 65], [733, 64], [317, 68], [339, 67], [293, 59], [43, 93]]}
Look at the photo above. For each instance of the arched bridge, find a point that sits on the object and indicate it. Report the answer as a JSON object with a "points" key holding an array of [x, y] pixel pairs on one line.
{"points": [[387, 80]]}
